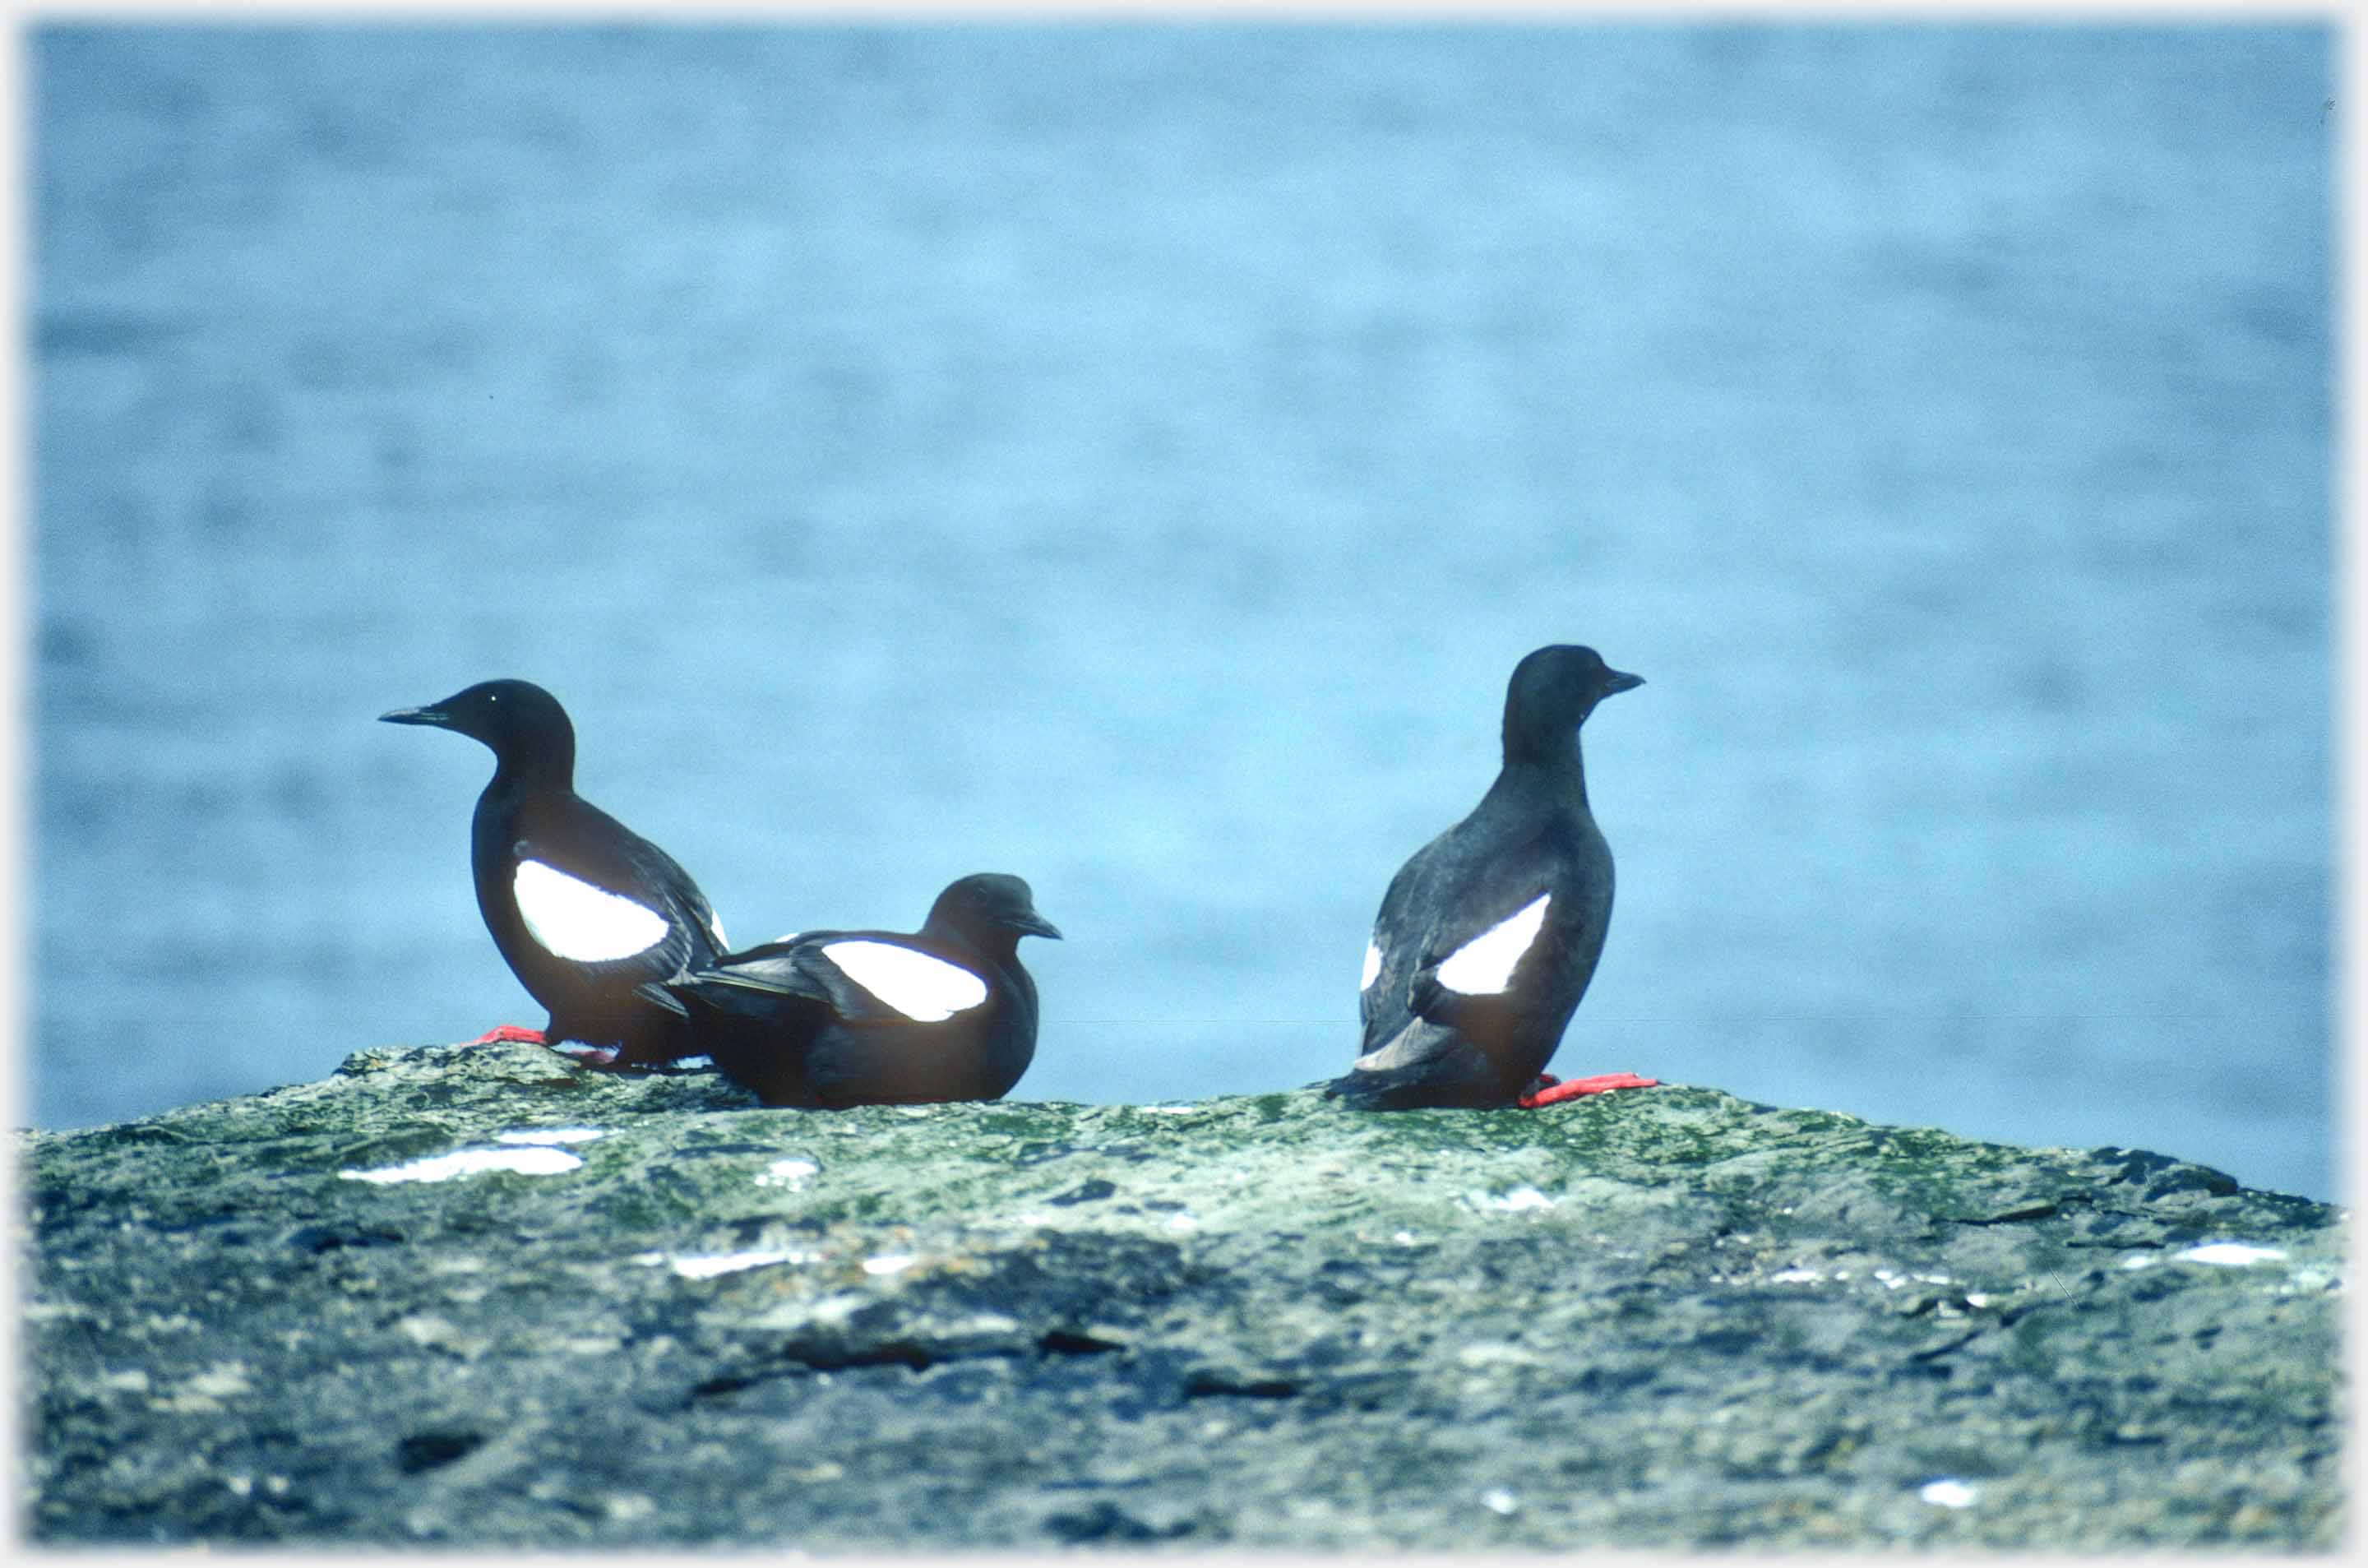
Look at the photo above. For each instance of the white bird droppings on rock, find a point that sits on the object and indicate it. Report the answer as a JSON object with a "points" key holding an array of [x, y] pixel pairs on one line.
{"points": [[220, 1380], [708, 1265], [537, 1136], [473, 1162], [790, 1173], [1948, 1491], [2231, 1255]]}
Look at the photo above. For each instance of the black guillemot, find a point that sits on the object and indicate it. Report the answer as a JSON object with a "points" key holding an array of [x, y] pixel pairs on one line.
{"points": [[1487, 937], [583, 909], [827, 1019]]}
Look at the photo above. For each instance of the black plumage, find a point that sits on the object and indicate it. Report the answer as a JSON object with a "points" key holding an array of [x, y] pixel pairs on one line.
{"points": [[792, 1019], [533, 838], [1451, 1038]]}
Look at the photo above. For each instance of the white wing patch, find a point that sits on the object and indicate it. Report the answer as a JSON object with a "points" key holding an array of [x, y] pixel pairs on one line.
{"points": [[926, 989], [715, 930], [576, 920], [1482, 966], [1373, 966]]}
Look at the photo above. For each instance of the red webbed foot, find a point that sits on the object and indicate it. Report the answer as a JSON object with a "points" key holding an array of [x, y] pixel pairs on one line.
{"points": [[502, 1034], [583, 1055], [1551, 1090]]}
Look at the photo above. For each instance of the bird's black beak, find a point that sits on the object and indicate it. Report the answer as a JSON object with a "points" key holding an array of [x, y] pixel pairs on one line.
{"points": [[1035, 925], [433, 716], [1621, 680]]}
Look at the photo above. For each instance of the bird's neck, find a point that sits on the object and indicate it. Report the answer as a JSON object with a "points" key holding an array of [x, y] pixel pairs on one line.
{"points": [[538, 771], [1542, 770], [995, 947]]}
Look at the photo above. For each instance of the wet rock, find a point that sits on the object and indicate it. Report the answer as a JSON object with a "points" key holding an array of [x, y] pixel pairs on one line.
{"points": [[481, 1297]]}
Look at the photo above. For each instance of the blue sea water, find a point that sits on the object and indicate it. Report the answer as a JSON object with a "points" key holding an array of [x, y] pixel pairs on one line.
{"points": [[1135, 457]]}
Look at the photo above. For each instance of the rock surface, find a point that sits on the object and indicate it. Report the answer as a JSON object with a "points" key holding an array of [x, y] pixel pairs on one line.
{"points": [[1661, 1318]]}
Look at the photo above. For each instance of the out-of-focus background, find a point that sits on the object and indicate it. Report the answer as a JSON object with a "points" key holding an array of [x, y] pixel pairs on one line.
{"points": [[1135, 455]]}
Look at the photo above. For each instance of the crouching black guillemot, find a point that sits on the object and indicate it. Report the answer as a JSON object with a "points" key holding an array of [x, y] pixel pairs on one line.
{"points": [[583, 909], [827, 1019], [1487, 937]]}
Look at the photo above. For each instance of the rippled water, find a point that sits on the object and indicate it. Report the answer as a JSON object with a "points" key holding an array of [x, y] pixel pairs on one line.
{"points": [[1136, 457]]}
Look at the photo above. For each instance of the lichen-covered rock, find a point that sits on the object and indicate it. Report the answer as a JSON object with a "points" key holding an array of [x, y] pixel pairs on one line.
{"points": [[640, 1311]]}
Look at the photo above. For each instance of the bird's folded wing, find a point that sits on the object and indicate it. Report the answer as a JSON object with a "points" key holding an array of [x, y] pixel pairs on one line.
{"points": [[777, 969], [582, 920], [615, 862], [877, 979], [1478, 948], [1392, 949]]}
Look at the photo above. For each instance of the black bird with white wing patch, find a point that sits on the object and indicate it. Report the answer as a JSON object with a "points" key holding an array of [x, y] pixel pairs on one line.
{"points": [[827, 1019], [1487, 937], [583, 909]]}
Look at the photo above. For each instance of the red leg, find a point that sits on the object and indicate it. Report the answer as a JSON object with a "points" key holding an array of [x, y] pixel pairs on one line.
{"points": [[586, 1055], [1550, 1090]]}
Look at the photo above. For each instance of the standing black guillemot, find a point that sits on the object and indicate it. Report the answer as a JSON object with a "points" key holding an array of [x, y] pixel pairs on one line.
{"points": [[1487, 937]]}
